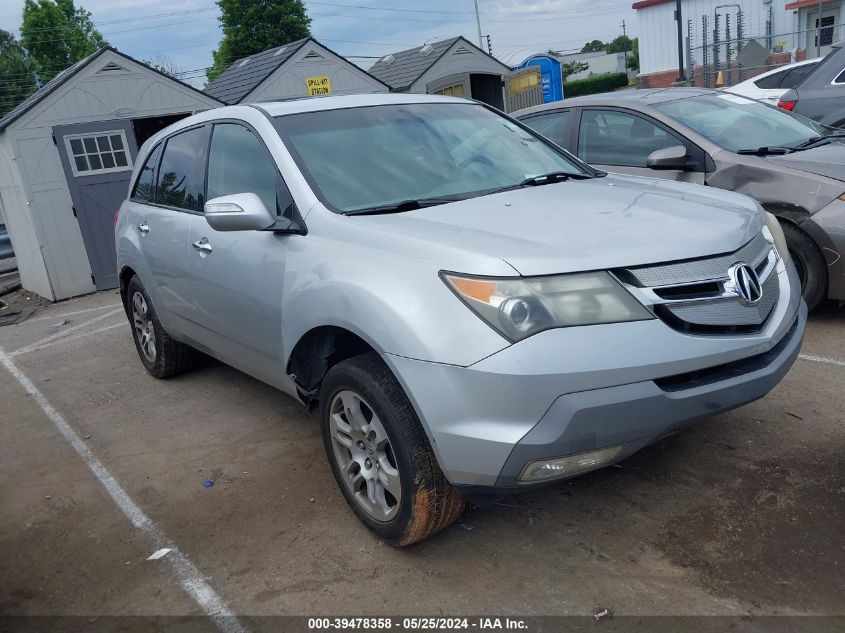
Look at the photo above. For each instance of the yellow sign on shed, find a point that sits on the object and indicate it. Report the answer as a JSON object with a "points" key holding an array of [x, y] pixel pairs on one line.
{"points": [[318, 86]]}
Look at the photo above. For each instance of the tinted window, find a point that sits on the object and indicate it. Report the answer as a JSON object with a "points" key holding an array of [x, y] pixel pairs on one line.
{"points": [[796, 75], [181, 176], [840, 79], [359, 158], [772, 81], [239, 163], [144, 186], [552, 125], [618, 138]]}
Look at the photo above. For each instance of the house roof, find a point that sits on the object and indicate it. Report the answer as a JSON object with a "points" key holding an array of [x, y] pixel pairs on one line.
{"points": [[246, 74], [66, 75], [644, 4], [400, 70]]}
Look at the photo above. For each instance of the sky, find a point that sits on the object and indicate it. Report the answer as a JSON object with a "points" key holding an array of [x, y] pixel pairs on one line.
{"points": [[184, 32]]}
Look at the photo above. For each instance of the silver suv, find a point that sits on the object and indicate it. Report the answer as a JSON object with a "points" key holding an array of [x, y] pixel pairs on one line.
{"points": [[472, 310]]}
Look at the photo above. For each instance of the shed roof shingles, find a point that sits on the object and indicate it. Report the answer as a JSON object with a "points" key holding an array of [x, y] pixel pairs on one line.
{"points": [[409, 65], [238, 80]]}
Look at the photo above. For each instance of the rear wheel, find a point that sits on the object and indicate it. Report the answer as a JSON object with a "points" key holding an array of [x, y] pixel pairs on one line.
{"points": [[380, 455], [809, 263], [161, 355]]}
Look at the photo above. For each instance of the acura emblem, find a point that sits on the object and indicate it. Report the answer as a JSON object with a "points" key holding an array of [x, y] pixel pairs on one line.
{"points": [[746, 284]]}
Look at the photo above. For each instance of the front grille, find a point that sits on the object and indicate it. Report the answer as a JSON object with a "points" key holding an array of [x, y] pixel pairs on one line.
{"points": [[704, 269], [698, 296], [727, 312]]}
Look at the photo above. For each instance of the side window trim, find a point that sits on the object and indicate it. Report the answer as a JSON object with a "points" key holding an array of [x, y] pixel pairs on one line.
{"points": [[163, 142], [700, 159]]}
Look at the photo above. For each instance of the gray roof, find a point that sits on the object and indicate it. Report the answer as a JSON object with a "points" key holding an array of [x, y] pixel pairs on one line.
{"points": [[243, 76], [63, 77], [409, 65], [246, 74]]}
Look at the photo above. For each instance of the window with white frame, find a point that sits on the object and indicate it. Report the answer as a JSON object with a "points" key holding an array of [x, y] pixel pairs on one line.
{"points": [[98, 153]]}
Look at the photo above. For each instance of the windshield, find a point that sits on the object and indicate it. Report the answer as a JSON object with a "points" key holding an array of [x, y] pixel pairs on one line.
{"points": [[737, 123], [362, 158]]}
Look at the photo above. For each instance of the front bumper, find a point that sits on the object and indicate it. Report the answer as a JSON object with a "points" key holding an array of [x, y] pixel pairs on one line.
{"points": [[577, 389]]}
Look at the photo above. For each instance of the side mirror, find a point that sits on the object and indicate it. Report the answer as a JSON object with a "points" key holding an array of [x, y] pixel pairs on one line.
{"points": [[674, 157], [238, 212]]}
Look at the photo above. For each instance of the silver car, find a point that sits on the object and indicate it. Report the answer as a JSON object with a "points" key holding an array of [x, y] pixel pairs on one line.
{"points": [[473, 311], [791, 165]]}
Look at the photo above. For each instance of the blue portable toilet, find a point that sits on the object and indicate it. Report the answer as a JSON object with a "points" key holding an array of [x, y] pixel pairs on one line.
{"points": [[550, 75]]}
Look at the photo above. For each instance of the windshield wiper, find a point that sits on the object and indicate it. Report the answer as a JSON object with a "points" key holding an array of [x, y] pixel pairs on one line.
{"points": [[766, 151], [813, 140], [405, 205], [545, 179]]}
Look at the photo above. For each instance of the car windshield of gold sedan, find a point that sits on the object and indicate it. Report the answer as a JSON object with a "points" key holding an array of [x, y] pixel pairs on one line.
{"points": [[737, 123], [392, 158]]}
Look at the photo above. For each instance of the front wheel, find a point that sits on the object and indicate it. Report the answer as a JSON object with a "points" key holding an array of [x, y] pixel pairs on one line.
{"points": [[380, 455], [809, 263]]}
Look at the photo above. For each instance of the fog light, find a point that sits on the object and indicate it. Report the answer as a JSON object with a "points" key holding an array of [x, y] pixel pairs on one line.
{"points": [[569, 465]]}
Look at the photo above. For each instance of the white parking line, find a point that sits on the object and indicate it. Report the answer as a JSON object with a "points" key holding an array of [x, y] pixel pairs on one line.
{"points": [[67, 340], [53, 337], [189, 577], [62, 315], [822, 359]]}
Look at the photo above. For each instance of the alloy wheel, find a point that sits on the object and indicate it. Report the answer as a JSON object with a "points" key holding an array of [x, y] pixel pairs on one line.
{"points": [[364, 456], [143, 326]]}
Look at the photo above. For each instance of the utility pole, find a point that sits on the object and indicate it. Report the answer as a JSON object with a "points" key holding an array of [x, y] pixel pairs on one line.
{"points": [[489, 46], [478, 24], [681, 74], [624, 35]]}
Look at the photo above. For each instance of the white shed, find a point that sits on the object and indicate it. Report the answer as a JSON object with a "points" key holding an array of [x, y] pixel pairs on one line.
{"points": [[66, 155], [454, 66], [300, 69]]}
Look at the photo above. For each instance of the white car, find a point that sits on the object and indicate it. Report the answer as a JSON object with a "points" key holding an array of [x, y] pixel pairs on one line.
{"points": [[769, 86]]}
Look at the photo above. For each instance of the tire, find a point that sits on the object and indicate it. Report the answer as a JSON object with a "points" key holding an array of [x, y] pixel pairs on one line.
{"points": [[809, 263], [161, 356], [357, 396]]}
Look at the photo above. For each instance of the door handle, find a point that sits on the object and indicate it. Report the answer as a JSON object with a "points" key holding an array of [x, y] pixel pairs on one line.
{"points": [[143, 228], [202, 246]]}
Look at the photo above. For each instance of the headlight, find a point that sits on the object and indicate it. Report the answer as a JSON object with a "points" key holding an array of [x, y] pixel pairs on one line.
{"points": [[774, 235], [522, 306]]}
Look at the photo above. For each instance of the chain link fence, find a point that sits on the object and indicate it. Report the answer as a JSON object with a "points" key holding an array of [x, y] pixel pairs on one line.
{"points": [[723, 50]]}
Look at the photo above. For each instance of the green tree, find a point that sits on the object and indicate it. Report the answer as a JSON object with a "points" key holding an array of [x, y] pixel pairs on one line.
{"points": [[17, 73], [593, 47], [252, 26], [56, 34], [634, 55], [572, 68], [619, 44]]}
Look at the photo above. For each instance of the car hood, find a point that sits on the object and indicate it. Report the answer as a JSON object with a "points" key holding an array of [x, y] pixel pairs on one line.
{"points": [[826, 160], [601, 223]]}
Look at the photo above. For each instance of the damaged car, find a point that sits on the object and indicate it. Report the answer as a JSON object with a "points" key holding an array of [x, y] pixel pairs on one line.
{"points": [[470, 310], [794, 167]]}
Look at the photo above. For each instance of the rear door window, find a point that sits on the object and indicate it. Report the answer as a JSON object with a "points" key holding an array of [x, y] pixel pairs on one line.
{"points": [[181, 175], [552, 125], [611, 137], [145, 185]]}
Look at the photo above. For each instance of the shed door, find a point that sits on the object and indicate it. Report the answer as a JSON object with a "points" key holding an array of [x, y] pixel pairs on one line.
{"points": [[98, 159]]}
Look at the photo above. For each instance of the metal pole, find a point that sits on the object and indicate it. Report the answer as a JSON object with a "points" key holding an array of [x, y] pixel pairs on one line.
{"points": [[624, 35], [478, 24], [819, 32], [681, 76]]}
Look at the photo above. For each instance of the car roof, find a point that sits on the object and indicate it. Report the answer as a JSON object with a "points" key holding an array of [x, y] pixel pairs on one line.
{"points": [[317, 104], [635, 98]]}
